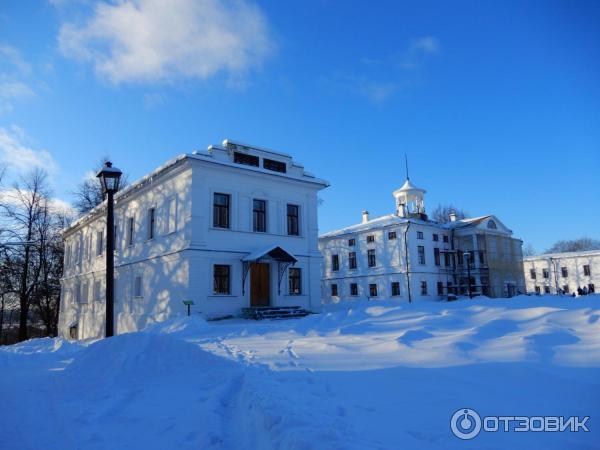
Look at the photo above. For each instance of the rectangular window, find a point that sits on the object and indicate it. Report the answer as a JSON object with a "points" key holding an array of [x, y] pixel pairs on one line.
{"points": [[334, 290], [460, 257], [545, 273], [446, 259], [259, 215], [565, 288], [532, 274], [295, 281], [275, 166], [130, 230], [440, 288], [564, 272], [436, 237], [371, 258], [370, 239], [419, 235], [99, 243], [421, 249], [137, 286], [591, 288], [221, 210], [172, 215], [372, 290], [481, 257], [353, 289], [423, 287], [436, 256], [247, 160], [352, 260], [221, 279], [293, 228], [90, 249], [537, 290], [392, 235], [97, 290], [395, 288], [586, 271], [335, 263], [446, 239], [85, 288], [351, 242], [151, 222], [546, 289], [77, 293]]}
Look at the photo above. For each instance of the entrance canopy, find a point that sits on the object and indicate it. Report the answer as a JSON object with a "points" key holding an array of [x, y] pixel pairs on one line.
{"points": [[276, 253]]}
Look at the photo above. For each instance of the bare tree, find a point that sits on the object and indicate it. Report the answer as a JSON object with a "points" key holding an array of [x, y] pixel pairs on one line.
{"points": [[89, 194], [28, 199], [575, 245], [441, 213], [528, 250]]}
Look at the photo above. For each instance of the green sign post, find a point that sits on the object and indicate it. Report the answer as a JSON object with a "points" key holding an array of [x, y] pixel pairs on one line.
{"points": [[189, 304]]}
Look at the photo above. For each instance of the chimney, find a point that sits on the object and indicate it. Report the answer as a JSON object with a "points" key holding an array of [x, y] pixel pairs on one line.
{"points": [[452, 217], [365, 216]]}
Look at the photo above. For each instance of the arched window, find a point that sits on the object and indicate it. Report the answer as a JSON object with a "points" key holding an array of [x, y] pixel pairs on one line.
{"points": [[492, 225]]}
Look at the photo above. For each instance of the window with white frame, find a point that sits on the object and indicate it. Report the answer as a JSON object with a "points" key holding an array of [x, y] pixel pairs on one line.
{"points": [[77, 293], [221, 279], [97, 290], [172, 215], [130, 230], [137, 286], [99, 243], [395, 288], [423, 287], [295, 281], [151, 223], [85, 287]]}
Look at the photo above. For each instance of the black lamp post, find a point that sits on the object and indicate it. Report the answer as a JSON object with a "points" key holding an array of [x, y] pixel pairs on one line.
{"points": [[468, 256], [110, 178]]}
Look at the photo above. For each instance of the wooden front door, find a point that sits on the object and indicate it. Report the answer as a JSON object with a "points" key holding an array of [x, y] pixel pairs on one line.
{"points": [[259, 285]]}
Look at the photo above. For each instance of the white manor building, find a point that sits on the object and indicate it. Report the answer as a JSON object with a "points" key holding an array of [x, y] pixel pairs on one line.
{"points": [[405, 255], [565, 273], [227, 228]]}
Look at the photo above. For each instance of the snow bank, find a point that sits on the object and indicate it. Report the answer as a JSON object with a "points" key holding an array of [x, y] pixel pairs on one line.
{"points": [[379, 374]]}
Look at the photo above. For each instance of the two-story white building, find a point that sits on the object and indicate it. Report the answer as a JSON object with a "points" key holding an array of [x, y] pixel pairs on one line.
{"points": [[232, 227], [564, 273], [407, 256]]}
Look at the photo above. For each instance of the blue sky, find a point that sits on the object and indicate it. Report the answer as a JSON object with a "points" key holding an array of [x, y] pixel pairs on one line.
{"points": [[497, 104]]}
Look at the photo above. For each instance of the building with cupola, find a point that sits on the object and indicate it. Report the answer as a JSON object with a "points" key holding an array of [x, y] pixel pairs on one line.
{"points": [[406, 255]]}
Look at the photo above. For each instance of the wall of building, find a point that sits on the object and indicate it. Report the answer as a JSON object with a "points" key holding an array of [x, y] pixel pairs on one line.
{"points": [[553, 264], [153, 276]]}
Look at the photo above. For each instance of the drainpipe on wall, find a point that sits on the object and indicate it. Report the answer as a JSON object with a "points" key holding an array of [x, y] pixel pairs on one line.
{"points": [[406, 260]]}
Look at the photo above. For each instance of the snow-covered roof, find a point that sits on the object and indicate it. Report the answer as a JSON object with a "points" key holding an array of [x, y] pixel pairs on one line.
{"points": [[379, 222], [563, 255], [467, 221], [275, 251], [408, 186], [205, 156]]}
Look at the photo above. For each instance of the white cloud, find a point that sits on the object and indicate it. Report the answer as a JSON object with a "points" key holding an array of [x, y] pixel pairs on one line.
{"points": [[18, 156], [13, 68], [150, 41], [12, 197], [425, 44]]}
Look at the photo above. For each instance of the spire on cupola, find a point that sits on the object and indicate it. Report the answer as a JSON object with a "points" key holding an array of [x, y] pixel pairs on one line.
{"points": [[410, 200]]}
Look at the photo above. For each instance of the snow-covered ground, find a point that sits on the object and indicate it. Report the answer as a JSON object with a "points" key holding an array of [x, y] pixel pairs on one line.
{"points": [[360, 375]]}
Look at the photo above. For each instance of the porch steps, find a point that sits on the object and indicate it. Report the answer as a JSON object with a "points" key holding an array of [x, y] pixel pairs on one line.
{"points": [[273, 312]]}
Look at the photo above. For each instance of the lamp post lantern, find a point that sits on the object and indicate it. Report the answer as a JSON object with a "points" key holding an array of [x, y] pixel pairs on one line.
{"points": [[110, 177]]}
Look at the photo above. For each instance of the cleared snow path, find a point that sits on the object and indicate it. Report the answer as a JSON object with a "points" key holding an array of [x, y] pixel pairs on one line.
{"points": [[377, 375]]}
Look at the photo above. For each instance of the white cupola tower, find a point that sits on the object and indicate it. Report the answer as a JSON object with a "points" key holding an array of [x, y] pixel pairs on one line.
{"points": [[410, 200]]}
